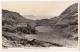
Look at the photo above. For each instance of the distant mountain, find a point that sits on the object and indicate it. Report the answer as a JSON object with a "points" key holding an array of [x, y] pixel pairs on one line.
{"points": [[33, 17]]}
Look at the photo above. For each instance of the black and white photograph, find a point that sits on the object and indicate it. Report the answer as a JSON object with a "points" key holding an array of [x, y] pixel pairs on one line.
{"points": [[39, 24]]}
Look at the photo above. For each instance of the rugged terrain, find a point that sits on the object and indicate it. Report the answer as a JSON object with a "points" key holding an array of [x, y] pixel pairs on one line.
{"points": [[58, 31]]}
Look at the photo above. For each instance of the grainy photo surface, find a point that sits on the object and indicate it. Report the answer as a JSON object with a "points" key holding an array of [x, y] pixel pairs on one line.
{"points": [[39, 24]]}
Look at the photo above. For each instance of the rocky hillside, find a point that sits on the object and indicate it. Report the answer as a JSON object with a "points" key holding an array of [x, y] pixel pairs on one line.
{"points": [[65, 27], [56, 31], [67, 21], [20, 32], [69, 16], [14, 25]]}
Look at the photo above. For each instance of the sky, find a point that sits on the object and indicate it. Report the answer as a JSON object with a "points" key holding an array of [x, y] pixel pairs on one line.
{"points": [[37, 8]]}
